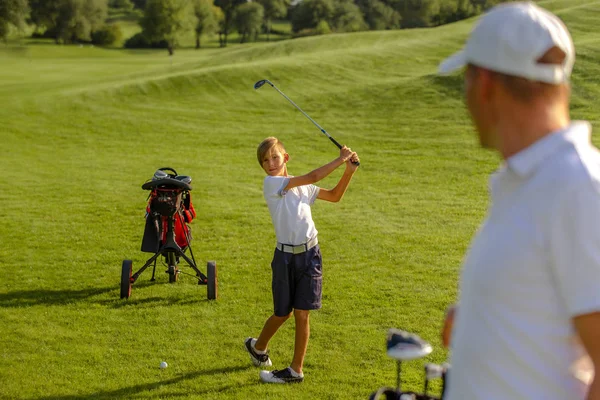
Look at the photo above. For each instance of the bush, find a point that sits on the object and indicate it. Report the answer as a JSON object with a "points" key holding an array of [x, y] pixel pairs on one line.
{"points": [[323, 28], [139, 41], [107, 35], [47, 34], [122, 4]]}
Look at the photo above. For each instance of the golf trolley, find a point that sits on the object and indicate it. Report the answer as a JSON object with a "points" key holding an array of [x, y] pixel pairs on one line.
{"points": [[404, 346], [167, 233]]}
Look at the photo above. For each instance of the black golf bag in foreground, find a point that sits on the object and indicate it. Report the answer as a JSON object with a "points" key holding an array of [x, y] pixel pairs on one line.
{"points": [[404, 346], [167, 233]]}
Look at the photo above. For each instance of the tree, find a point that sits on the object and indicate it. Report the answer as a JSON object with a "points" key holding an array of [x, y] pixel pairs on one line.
{"points": [[379, 15], [347, 17], [68, 20], [248, 19], [12, 13], [107, 35], [451, 11], [44, 14], [483, 5], [207, 18], [141, 4], [418, 13], [274, 9], [166, 20], [77, 19], [228, 9], [308, 13], [122, 4]]}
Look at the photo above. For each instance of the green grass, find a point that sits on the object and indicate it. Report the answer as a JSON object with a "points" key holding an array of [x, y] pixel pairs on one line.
{"points": [[83, 128]]}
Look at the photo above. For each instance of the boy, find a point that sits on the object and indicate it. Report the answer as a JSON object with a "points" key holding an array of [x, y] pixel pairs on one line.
{"points": [[296, 264]]}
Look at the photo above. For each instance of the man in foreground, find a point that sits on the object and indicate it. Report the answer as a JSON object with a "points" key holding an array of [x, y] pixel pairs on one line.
{"points": [[529, 309]]}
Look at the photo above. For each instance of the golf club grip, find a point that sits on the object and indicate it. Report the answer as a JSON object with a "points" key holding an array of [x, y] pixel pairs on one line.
{"points": [[339, 147]]}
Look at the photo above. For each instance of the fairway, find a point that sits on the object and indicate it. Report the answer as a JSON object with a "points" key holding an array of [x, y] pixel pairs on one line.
{"points": [[83, 128]]}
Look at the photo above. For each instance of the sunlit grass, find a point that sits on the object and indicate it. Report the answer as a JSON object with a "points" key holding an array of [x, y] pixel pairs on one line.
{"points": [[83, 128]]}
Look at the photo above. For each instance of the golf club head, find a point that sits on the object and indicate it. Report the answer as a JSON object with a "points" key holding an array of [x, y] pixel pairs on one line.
{"points": [[160, 174], [404, 346], [184, 178], [434, 371], [260, 83]]}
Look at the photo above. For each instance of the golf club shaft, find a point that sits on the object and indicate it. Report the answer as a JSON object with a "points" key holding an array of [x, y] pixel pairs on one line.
{"points": [[399, 371], [339, 146], [308, 116]]}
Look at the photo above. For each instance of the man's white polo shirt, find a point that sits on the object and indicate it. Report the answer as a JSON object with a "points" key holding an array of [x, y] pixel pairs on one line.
{"points": [[290, 210], [532, 267]]}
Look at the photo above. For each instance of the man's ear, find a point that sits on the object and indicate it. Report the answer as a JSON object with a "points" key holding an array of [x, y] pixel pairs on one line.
{"points": [[487, 79]]}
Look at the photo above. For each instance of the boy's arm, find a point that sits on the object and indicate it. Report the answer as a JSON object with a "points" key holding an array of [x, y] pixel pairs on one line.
{"points": [[321, 172], [334, 195]]}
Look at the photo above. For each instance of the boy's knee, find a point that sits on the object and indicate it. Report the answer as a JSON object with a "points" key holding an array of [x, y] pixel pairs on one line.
{"points": [[301, 314], [282, 318]]}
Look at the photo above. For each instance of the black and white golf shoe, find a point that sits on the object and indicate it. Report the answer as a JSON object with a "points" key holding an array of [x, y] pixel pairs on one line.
{"points": [[281, 376], [259, 360]]}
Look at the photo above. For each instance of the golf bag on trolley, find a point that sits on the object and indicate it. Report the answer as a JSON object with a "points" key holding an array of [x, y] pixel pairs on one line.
{"points": [[167, 233], [404, 346], [168, 201]]}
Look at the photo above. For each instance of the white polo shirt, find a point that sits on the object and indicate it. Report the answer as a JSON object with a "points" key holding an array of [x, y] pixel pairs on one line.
{"points": [[290, 210], [532, 267]]}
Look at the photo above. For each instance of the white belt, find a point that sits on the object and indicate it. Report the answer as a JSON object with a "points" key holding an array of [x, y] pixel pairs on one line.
{"points": [[288, 248]]}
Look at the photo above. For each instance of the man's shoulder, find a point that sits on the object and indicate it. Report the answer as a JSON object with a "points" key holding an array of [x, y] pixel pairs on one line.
{"points": [[573, 164], [579, 167]]}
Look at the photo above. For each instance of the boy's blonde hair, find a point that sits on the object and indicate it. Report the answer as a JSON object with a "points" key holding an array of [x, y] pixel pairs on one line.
{"points": [[266, 145]]}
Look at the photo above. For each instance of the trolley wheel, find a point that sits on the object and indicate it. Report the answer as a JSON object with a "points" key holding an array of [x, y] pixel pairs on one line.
{"points": [[211, 284], [126, 269], [172, 271]]}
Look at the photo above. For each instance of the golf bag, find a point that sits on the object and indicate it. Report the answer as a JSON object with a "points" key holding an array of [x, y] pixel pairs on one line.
{"points": [[170, 200], [167, 234]]}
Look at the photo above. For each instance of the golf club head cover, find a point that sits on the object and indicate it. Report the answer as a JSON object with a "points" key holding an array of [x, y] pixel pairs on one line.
{"points": [[189, 213], [403, 345]]}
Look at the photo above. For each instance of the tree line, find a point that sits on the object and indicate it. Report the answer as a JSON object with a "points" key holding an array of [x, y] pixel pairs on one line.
{"points": [[165, 22]]}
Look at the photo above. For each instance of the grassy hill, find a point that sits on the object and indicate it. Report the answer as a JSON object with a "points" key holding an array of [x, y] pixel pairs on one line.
{"points": [[83, 128]]}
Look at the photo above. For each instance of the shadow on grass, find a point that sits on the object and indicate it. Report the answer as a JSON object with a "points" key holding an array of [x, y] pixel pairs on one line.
{"points": [[451, 86], [29, 298], [151, 301], [127, 392]]}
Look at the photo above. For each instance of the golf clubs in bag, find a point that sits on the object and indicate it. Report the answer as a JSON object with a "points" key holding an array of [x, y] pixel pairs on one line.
{"points": [[404, 346], [167, 233]]}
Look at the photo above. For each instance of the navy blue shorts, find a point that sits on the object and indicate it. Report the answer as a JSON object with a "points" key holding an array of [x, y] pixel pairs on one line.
{"points": [[297, 281]]}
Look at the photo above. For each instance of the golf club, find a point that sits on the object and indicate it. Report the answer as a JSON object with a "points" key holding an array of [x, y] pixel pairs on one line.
{"points": [[432, 371], [404, 346], [260, 83], [446, 370]]}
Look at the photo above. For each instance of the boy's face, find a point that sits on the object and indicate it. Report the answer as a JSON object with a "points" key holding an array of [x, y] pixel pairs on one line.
{"points": [[274, 162]]}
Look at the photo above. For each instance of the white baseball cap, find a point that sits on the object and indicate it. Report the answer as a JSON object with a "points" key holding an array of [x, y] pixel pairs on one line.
{"points": [[510, 38]]}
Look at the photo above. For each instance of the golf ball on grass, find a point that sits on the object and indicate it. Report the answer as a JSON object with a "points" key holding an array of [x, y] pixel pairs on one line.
{"points": [[163, 365]]}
